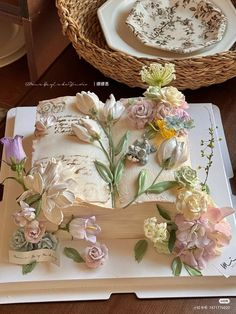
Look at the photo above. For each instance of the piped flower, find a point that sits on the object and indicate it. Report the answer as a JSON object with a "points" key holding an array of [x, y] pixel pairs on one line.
{"points": [[34, 231], [14, 152], [88, 103], [141, 112], [43, 124], [23, 216], [87, 130], [112, 110], [95, 255], [158, 75], [84, 228]]}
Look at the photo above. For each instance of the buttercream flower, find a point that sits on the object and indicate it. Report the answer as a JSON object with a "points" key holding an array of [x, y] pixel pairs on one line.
{"points": [[84, 228], [198, 257], [112, 110], [158, 75], [164, 131], [95, 255], [141, 112], [162, 247], [34, 231], [23, 216], [221, 232], [14, 152], [87, 130], [88, 103], [186, 176], [172, 153], [18, 242], [43, 124], [48, 241], [191, 234], [191, 203], [162, 111], [46, 183]]}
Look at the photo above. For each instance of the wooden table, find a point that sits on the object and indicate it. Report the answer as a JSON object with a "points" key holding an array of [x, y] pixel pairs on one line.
{"points": [[68, 75]]}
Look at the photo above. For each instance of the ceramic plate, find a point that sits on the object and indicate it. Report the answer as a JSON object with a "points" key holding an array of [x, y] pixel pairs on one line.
{"points": [[113, 14], [13, 57], [182, 26], [11, 38]]}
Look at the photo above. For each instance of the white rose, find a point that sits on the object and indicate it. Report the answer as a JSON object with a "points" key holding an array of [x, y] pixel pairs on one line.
{"points": [[171, 97], [192, 204]]}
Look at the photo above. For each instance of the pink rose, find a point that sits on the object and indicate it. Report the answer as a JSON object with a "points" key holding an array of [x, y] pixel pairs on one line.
{"points": [[95, 255], [34, 231], [141, 112], [162, 111]]}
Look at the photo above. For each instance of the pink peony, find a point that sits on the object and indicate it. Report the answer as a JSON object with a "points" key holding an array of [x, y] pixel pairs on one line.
{"points": [[96, 255], [141, 112]]}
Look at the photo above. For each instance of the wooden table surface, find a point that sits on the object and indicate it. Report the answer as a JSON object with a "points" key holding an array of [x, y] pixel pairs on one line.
{"points": [[68, 75]]}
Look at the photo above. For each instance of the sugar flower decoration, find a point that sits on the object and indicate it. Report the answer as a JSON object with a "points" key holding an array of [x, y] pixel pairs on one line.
{"points": [[88, 103], [172, 153], [87, 130], [186, 177], [84, 228], [141, 112], [47, 184], [96, 255], [111, 110], [14, 152], [34, 231], [158, 75], [23, 216], [43, 124]]}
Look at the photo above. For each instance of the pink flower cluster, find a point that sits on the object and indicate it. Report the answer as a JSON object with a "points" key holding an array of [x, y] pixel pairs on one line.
{"points": [[199, 240]]}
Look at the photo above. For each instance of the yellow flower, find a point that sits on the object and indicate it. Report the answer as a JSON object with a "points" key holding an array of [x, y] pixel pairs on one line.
{"points": [[158, 75], [164, 131]]}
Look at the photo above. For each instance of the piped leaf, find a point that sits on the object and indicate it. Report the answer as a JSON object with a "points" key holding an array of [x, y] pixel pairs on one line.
{"points": [[141, 181], [172, 240], [160, 187], [176, 266], [192, 271], [73, 254], [119, 170], [163, 213], [122, 143], [140, 250], [28, 268], [104, 171]]}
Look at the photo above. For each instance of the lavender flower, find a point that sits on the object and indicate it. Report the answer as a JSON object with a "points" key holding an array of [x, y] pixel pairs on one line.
{"points": [[14, 152], [84, 228]]}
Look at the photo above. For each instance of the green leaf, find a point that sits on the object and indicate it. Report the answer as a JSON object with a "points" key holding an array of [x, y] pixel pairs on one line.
{"points": [[37, 206], [119, 170], [160, 187], [192, 271], [73, 254], [176, 266], [172, 240], [140, 250], [28, 268], [104, 171], [163, 213], [32, 199], [122, 143], [141, 181]]}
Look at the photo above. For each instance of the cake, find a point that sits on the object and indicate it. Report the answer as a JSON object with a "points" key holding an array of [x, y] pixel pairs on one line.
{"points": [[102, 170]]}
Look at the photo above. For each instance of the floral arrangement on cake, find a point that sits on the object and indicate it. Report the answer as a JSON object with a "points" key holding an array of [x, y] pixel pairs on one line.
{"points": [[195, 234]]}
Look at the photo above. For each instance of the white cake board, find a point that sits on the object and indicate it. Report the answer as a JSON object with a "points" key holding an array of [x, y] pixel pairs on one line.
{"points": [[152, 277]]}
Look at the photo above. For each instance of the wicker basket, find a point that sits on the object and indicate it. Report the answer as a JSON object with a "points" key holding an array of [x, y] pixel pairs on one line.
{"points": [[81, 25]]}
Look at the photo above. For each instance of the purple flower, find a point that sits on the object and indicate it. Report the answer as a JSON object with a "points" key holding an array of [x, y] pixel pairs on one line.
{"points": [[14, 151], [192, 234], [84, 228], [96, 255], [141, 112]]}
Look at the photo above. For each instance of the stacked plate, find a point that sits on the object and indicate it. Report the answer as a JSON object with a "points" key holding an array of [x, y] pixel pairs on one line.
{"points": [[177, 29], [12, 42]]}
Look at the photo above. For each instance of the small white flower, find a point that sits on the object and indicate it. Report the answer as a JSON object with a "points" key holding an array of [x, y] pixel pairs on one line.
{"points": [[112, 110], [87, 130], [88, 103], [172, 153], [23, 216], [158, 75], [43, 124]]}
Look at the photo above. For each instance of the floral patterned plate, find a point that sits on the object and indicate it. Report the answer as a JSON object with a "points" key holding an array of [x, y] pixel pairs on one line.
{"points": [[181, 26]]}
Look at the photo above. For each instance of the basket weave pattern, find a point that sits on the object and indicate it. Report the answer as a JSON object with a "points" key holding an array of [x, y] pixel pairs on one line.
{"points": [[80, 23]]}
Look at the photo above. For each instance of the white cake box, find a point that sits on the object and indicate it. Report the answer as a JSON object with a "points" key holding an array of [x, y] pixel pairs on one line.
{"points": [[152, 278]]}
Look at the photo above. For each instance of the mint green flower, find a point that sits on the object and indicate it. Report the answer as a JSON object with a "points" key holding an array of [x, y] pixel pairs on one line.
{"points": [[186, 176], [158, 75]]}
